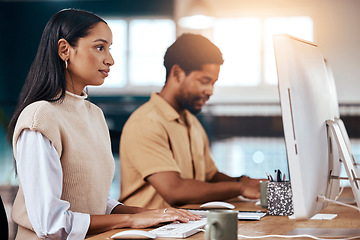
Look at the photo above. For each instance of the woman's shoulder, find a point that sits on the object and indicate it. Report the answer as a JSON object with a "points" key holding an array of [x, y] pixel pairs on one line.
{"points": [[39, 111], [93, 106], [39, 106]]}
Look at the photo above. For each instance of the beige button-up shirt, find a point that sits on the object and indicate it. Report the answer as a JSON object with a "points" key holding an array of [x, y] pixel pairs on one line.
{"points": [[155, 139]]}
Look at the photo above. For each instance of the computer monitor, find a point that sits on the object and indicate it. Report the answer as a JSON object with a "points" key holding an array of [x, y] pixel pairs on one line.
{"points": [[307, 101]]}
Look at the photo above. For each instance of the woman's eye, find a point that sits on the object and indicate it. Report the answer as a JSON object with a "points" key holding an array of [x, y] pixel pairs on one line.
{"points": [[100, 48]]}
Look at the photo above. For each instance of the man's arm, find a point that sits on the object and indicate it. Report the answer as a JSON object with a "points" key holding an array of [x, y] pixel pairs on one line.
{"points": [[178, 191], [221, 177]]}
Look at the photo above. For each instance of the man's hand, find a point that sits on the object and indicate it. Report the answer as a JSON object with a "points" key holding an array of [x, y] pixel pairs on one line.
{"points": [[251, 187]]}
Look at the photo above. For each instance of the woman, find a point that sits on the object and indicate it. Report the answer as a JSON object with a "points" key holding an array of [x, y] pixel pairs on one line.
{"points": [[61, 142]]}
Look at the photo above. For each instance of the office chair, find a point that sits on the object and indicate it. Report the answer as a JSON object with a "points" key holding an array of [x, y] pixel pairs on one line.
{"points": [[4, 227]]}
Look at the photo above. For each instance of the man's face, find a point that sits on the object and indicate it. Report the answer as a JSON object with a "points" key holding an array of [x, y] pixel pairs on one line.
{"points": [[197, 87]]}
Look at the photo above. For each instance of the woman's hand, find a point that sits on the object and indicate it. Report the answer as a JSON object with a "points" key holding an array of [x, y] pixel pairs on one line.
{"points": [[154, 217]]}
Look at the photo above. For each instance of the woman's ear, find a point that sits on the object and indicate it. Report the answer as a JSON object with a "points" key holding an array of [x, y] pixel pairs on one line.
{"points": [[63, 49]]}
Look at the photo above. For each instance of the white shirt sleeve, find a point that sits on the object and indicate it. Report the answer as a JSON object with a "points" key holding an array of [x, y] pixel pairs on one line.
{"points": [[111, 204], [40, 173]]}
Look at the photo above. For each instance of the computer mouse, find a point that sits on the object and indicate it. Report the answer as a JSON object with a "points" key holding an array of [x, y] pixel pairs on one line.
{"points": [[214, 205], [134, 234]]}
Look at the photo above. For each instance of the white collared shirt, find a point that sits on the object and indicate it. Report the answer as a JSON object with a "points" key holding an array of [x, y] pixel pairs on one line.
{"points": [[40, 173]]}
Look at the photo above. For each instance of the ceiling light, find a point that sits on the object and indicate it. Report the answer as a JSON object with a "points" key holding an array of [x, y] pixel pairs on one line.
{"points": [[198, 16]]}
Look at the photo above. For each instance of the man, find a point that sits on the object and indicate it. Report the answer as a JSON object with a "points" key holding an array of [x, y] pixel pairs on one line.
{"points": [[164, 151]]}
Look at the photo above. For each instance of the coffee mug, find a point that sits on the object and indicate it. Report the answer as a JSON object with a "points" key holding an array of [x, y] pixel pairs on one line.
{"points": [[263, 194], [221, 225]]}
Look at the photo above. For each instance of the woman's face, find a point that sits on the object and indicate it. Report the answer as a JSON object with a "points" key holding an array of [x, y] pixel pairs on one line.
{"points": [[90, 60]]}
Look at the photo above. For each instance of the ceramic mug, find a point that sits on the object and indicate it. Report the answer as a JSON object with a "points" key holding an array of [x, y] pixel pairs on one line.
{"points": [[221, 225], [263, 194]]}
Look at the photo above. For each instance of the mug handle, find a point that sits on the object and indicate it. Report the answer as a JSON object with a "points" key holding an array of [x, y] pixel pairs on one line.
{"points": [[208, 228]]}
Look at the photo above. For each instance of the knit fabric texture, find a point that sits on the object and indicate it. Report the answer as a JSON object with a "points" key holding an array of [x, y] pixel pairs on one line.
{"points": [[80, 135]]}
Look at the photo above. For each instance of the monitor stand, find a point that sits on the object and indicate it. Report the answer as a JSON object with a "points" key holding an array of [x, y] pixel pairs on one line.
{"points": [[342, 141], [337, 131]]}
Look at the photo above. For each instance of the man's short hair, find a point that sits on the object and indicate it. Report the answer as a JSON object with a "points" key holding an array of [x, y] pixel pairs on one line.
{"points": [[191, 52]]}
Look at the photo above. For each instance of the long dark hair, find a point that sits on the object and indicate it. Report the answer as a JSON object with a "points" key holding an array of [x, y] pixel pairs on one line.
{"points": [[46, 78]]}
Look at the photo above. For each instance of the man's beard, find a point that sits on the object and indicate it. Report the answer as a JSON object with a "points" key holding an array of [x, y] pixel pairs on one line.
{"points": [[193, 110], [189, 104]]}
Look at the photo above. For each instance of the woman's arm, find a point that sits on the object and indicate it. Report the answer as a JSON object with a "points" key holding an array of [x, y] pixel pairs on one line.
{"points": [[147, 218], [40, 174]]}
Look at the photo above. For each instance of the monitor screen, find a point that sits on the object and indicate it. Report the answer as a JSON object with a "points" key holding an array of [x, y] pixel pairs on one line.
{"points": [[307, 101]]}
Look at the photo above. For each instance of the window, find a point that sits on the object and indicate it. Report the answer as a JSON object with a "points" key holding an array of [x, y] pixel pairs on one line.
{"points": [[138, 49], [301, 27], [239, 40], [118, 74], [253, 156], [149, 40], [246, 43], [247, 46]]}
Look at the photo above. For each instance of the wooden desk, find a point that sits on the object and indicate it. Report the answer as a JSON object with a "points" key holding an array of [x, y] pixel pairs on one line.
{"points": [[277, 225]]}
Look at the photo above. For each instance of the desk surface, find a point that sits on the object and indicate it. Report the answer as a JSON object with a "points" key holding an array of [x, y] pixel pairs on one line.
{"points": [[278, 225]]}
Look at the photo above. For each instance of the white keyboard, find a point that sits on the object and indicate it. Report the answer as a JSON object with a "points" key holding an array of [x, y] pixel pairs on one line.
{"points": [[200, 212], [179, 230], [242, 215]]}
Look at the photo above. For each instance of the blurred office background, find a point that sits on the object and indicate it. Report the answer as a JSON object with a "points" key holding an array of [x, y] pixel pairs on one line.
{"points": [[243, 118]]}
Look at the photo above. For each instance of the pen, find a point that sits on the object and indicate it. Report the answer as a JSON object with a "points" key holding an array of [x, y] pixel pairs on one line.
{"points": [[269, 177], [279, 179]]}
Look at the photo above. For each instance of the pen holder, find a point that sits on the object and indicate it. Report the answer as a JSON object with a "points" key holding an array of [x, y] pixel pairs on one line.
{"points": [[279, 199]]}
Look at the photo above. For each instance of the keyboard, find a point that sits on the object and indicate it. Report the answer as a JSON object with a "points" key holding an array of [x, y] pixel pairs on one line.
{"points": [[179, 230], [242, 215]]}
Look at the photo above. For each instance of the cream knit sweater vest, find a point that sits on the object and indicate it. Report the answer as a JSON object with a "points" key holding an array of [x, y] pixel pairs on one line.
{"points": [[79, 133]]}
